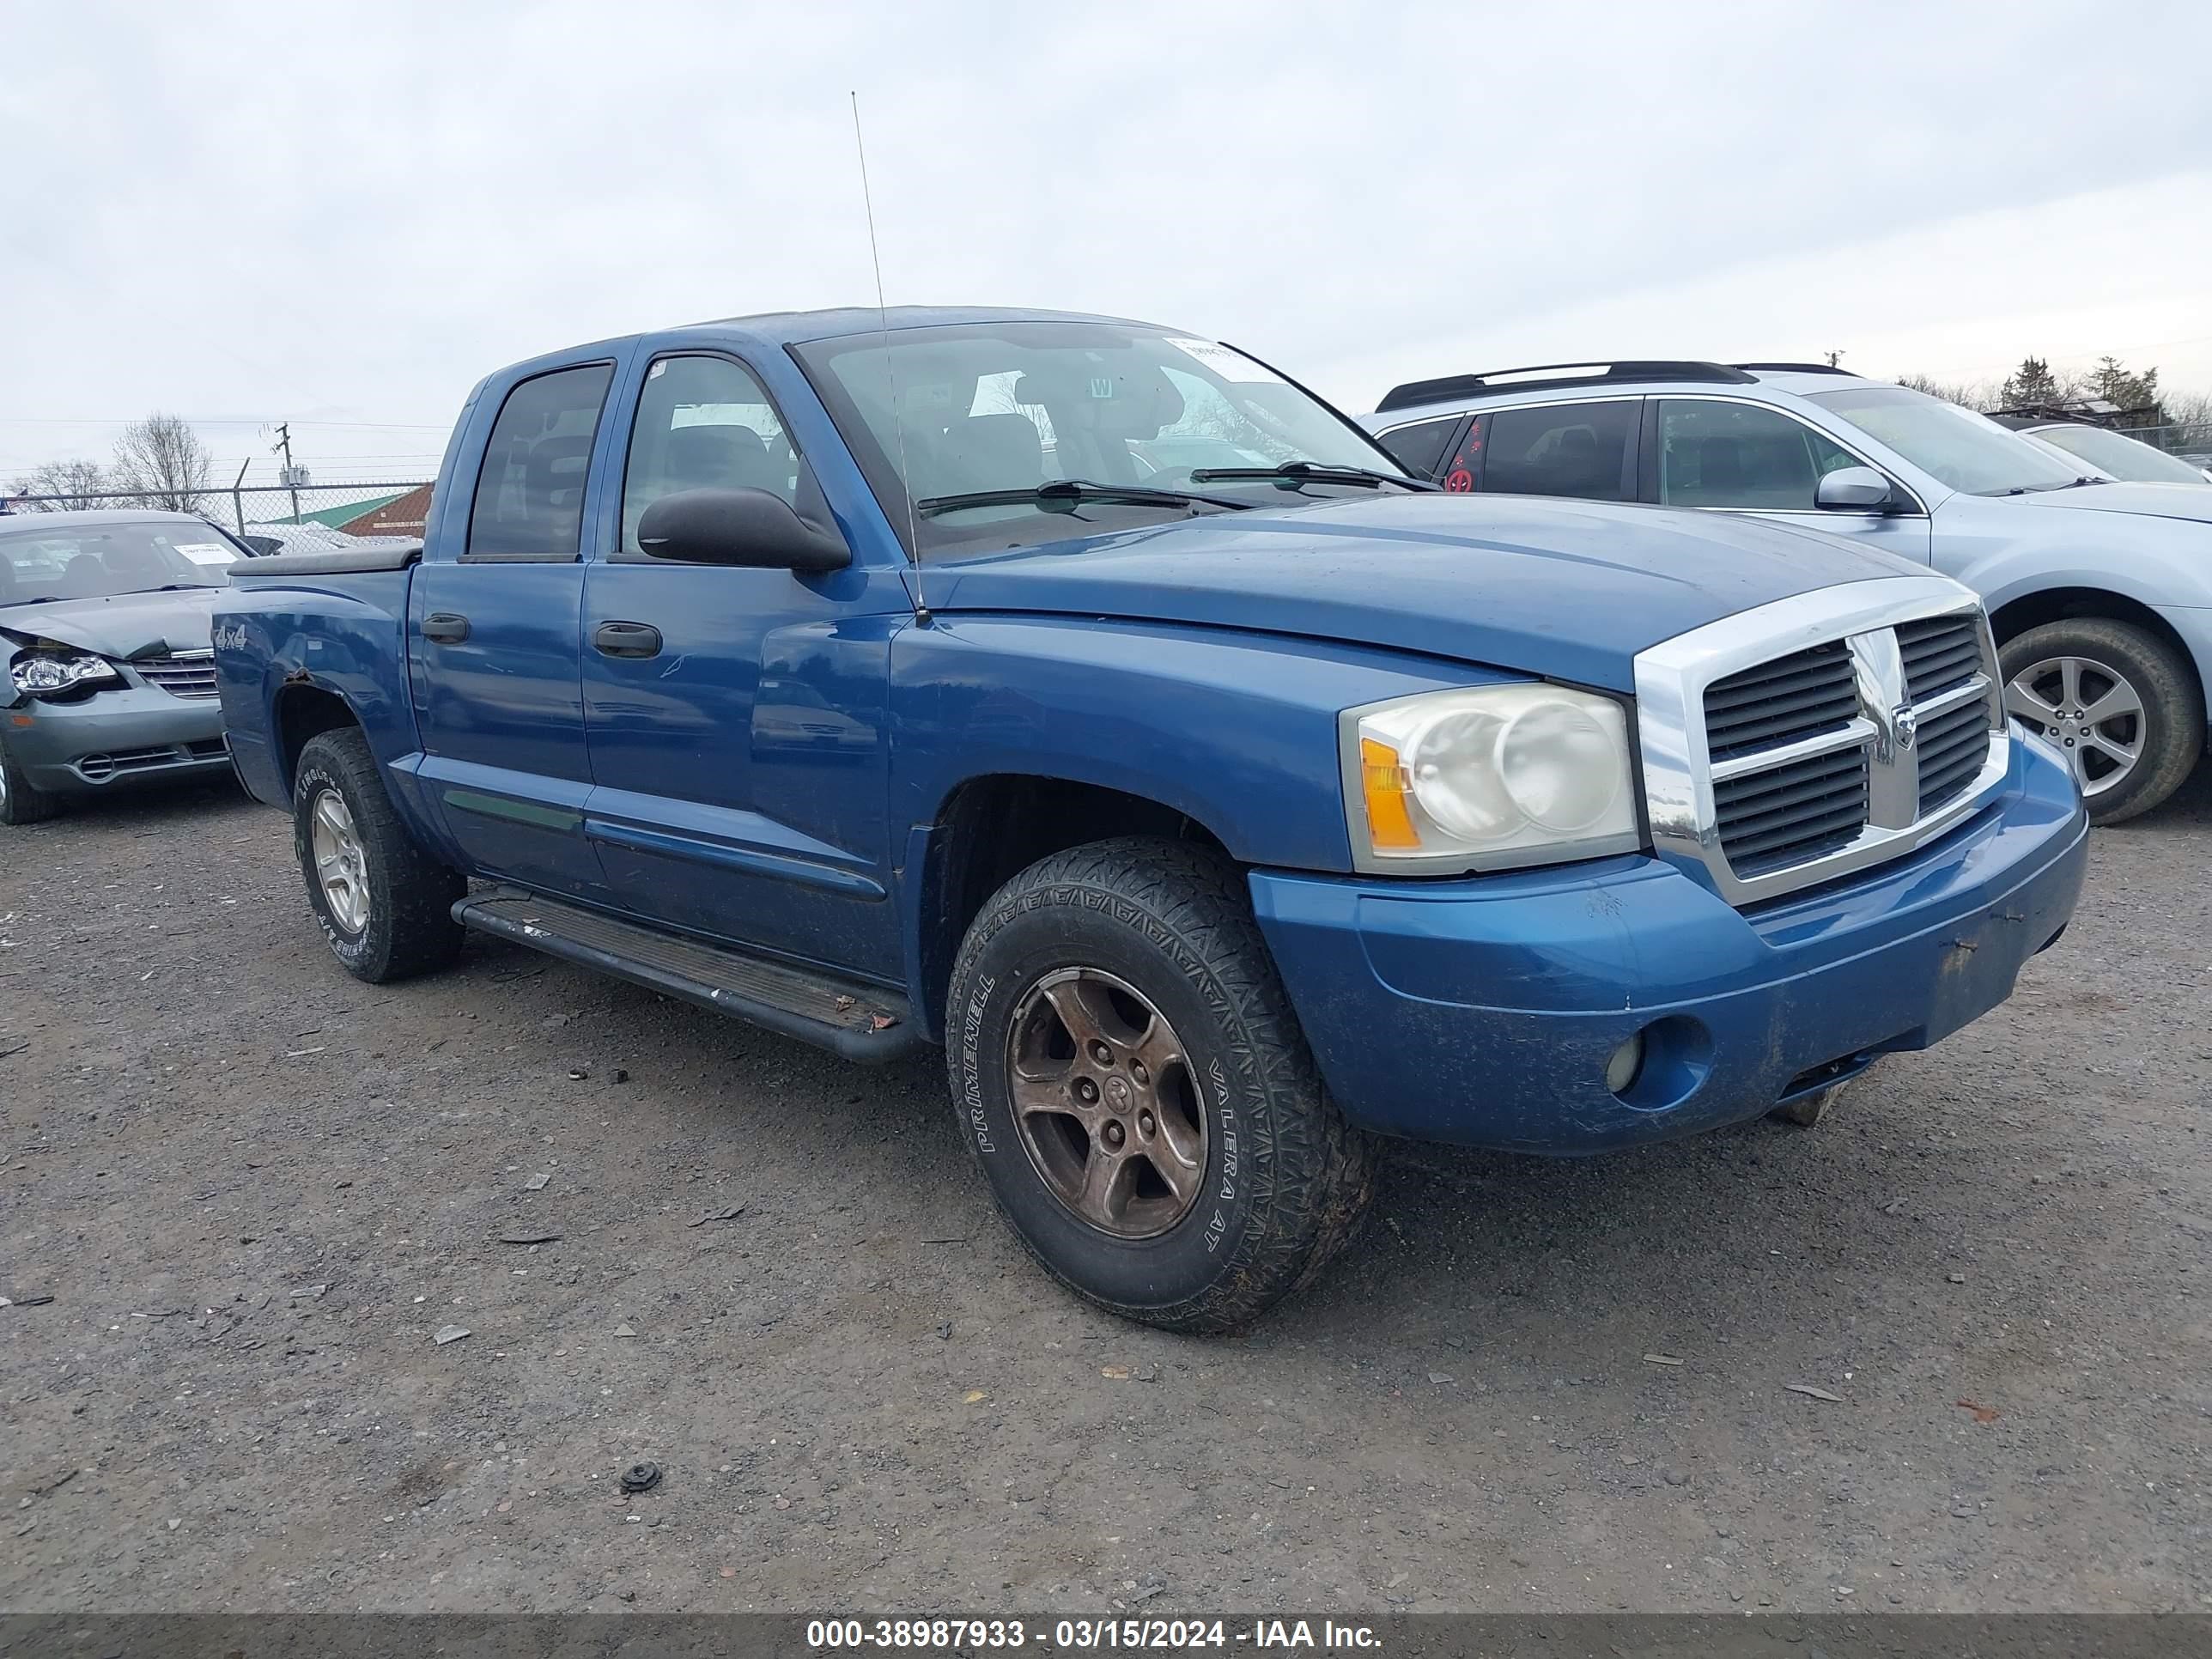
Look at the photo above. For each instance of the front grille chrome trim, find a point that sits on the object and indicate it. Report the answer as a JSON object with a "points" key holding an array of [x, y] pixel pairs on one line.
{"points": [[1853, 736], [1671, 681]]}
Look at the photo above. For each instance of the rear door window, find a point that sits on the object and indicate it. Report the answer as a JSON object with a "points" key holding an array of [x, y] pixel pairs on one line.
{"points": [[530, 493], [1584, 450], [1713, 454], [1419, 449]]}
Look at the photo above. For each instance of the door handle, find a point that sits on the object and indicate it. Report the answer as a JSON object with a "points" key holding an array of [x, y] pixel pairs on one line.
{"points": [[445, 628], [626, 639]]}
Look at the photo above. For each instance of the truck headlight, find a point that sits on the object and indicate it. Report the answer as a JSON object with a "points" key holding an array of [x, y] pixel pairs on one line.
{"points": [[1487, 778], [47, 674]]}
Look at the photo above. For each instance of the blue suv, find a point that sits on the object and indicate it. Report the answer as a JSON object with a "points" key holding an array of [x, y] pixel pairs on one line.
{"points": [[2100, 593]]}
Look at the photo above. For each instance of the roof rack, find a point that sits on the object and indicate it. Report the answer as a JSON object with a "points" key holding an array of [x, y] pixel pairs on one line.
{"points": [[1796, 368], [1624, 372]]}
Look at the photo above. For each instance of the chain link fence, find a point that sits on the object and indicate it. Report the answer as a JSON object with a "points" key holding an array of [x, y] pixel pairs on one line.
{"points": [[399, 508]]}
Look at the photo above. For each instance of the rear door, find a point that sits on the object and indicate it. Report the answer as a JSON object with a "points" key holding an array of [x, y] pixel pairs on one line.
{"points": [[737, 718], [1587, 450], [494, 624], [1725, 455]]}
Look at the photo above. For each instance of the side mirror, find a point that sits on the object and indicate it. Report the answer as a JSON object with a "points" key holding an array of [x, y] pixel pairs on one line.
{"points": [[1853, 489], [747, 527]]}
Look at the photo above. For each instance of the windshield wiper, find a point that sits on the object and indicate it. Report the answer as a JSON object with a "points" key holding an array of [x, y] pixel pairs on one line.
{"points": [[1290, 474], [2047, 489], [1065, 495]]}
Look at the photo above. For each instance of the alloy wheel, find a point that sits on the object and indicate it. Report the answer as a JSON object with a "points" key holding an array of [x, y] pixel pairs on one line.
{"points": [[2089, 710], [341, 864], [1107, 1101]]}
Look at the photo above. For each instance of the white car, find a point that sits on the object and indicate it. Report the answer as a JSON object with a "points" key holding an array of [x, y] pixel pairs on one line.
{"points": [[2114, 454]]}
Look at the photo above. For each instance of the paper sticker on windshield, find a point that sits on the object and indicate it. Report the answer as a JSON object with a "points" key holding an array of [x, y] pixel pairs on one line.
{"points": [[1231, 366], [208, 552]]}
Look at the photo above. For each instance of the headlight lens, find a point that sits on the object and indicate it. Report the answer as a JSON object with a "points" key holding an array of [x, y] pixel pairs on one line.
{"points": [[1487, 778], [45, 674]]}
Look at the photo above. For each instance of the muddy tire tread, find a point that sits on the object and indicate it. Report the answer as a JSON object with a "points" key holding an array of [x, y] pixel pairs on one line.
{"points": [[1320, 1170]]}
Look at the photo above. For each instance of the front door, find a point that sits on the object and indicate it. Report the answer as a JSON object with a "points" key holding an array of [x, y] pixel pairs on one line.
{"points": [[737, 719], [493, 630], [1745, 457]]}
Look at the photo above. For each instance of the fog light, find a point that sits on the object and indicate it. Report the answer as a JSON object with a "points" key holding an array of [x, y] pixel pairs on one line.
{"points": [[1627, 1060]]}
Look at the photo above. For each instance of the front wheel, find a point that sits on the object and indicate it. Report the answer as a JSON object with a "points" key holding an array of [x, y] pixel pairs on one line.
{"points": [[384, 905], [2120, 703], [1128, 1074], [20, 800]]}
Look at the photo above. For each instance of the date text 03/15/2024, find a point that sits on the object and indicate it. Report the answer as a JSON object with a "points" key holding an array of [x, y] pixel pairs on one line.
{"points": [[1087, 1635]]}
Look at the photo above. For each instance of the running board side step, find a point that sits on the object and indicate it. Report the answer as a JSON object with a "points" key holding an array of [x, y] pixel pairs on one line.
{"points": [[853, 1019]]}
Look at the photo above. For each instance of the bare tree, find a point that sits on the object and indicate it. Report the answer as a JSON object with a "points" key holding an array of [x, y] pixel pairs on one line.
{"points": [[64, 486], [162, 460], [2189, 409], [1951, 391]]}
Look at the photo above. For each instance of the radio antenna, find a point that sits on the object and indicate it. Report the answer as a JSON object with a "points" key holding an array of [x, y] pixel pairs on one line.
{"points": [[890, 377]]}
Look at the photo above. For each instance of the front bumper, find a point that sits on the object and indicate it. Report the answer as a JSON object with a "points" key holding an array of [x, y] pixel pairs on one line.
{"points": [[1484, 1011], [115, 739]]}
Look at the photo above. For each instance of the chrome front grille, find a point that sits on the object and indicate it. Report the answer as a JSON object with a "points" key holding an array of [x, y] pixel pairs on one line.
{"points": [[188, 674], [1953, 747], [1799, 695], [1804, 740], [1788, 813], [1940, 654]]}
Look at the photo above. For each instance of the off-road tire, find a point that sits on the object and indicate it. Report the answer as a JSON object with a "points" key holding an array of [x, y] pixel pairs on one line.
{"points": [[20, 800], [2173, 704], [1286, 1179], [410, 929]]}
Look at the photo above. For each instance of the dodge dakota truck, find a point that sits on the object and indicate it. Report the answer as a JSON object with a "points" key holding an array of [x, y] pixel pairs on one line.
{"points": [[1095, 702]]}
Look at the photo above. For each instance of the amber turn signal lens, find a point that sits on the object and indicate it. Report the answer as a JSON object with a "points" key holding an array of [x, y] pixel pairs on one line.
{"points": [[1382, 780]]}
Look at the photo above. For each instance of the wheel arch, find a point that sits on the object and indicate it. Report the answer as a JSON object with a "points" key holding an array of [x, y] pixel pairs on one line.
{"points": [[990, 827], [2017, 614], [301, 711], [2010, 620]]}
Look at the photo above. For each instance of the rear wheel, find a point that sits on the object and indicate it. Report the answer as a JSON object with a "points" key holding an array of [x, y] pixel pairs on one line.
{"points": [[20, 800], [384, 905], [1129, 1076], [2121, 703]]}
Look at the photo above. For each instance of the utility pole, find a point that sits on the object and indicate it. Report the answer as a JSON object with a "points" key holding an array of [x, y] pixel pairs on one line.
{"points": [[284, 444], [1835, 358]]}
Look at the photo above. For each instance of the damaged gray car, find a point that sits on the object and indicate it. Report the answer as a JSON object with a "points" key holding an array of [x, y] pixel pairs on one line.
{"points": [[105, 642]]}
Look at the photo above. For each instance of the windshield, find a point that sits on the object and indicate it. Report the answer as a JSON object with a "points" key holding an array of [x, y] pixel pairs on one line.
{"points": [[1955, 446], [1011, 406], [2119, 456], [98, 562]]}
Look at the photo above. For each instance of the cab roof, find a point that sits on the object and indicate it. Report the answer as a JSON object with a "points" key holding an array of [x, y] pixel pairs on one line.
{"points": [[794, 327], [774, 330]]}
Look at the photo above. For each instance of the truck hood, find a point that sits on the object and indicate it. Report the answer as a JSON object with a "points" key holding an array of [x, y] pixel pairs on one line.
{"points": [[128, 625], [1568, 590], [2152, 501]]}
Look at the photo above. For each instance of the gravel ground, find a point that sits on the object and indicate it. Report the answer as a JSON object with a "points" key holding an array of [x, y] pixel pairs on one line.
{"points": [[255, 1190]]}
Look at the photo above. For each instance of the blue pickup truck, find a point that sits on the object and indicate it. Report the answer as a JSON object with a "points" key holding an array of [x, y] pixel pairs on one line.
{"points": [[1095, 702]]}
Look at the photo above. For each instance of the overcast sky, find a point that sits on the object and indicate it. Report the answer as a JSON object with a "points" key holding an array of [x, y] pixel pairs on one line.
{"points": [[342, 216]]}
